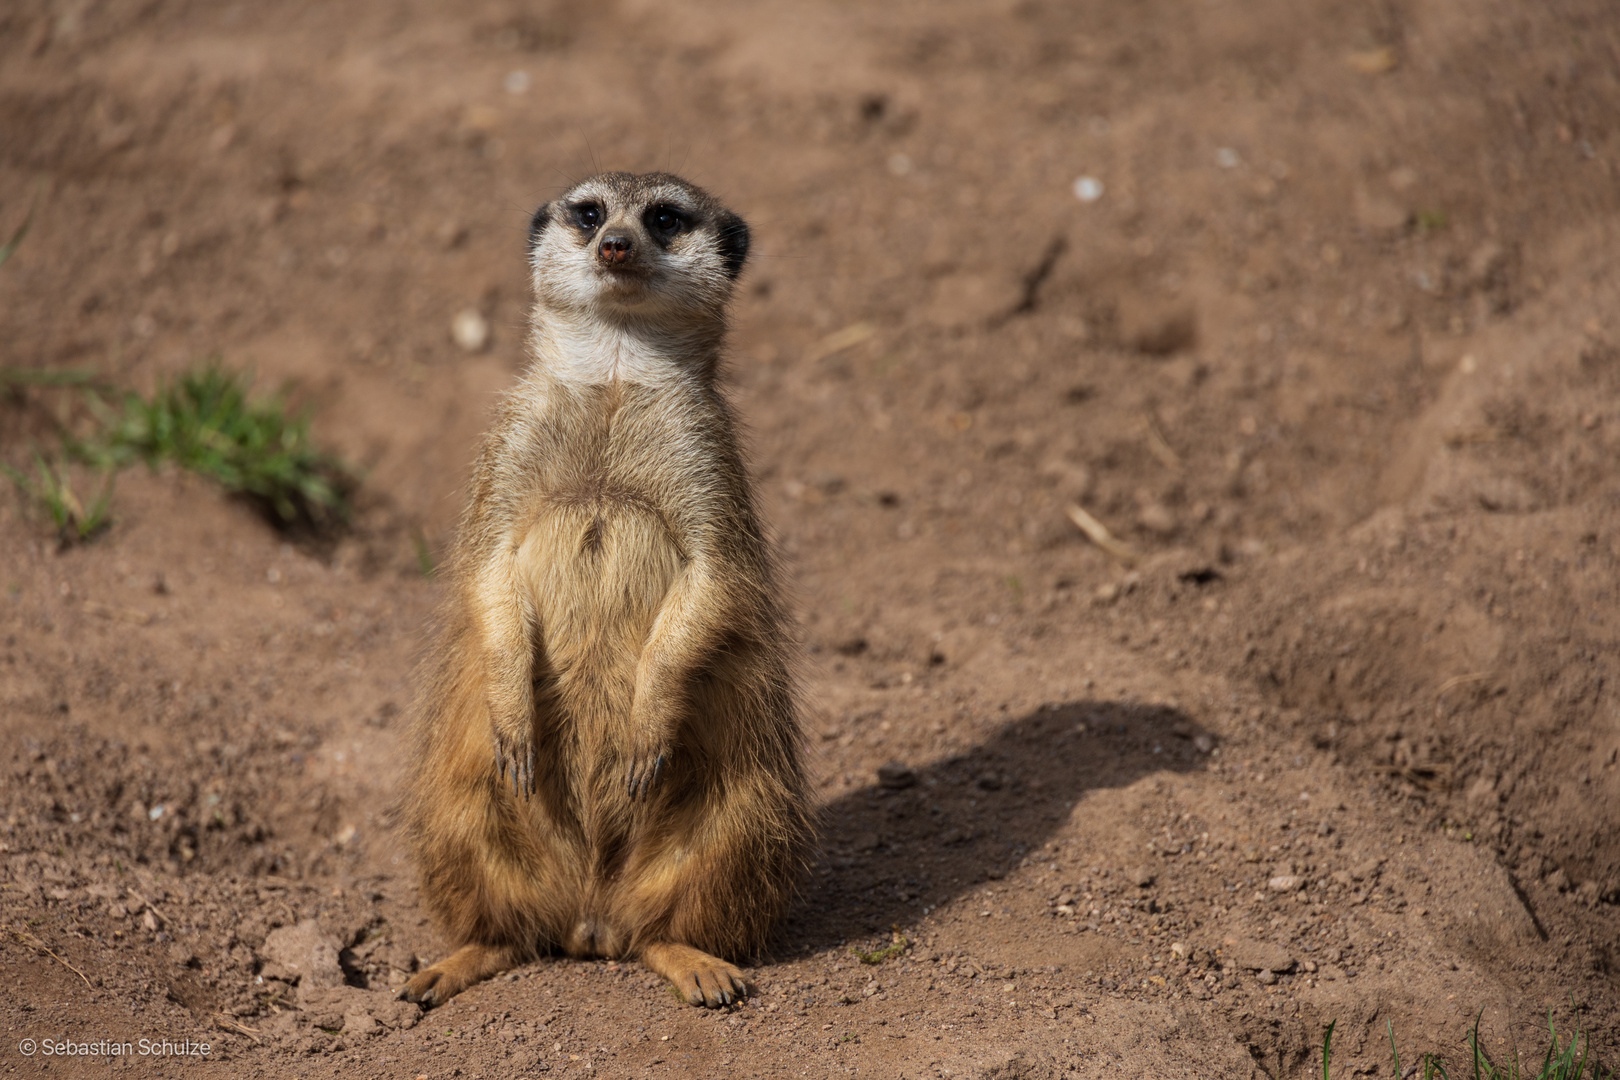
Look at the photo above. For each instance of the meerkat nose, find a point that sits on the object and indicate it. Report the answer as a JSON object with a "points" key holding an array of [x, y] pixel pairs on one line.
{"points": [[615, 249]]}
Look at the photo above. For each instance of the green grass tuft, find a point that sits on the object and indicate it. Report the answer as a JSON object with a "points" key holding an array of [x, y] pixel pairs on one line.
{"points": [[53, 493], [897, 947], [1561, 1062], [204, 421], [1432, 220]]}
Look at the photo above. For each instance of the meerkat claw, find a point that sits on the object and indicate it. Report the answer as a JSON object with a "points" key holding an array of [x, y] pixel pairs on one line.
{"points": [[518, 768], [642, 779]]}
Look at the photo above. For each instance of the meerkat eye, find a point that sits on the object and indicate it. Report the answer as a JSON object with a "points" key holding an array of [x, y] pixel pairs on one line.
{"points": [[665, 220], [588, 215]]}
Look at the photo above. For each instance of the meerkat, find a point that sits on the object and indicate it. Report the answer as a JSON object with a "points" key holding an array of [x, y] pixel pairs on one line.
{"points": [[607, 755]]}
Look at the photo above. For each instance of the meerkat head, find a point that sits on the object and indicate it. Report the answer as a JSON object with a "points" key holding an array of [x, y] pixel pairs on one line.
{"points": [[648, 248]]}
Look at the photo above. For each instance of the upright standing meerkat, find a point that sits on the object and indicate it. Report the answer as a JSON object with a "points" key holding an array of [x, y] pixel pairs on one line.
{"points": [[607, 756]]}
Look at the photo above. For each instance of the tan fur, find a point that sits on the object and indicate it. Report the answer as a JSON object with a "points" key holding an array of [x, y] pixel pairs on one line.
{"points": [[607, 756]]}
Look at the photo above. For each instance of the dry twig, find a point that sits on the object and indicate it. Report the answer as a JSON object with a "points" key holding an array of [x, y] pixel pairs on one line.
{"points": [[1160, 445], [150, 906], [230, 1023], [839, 340], [34, 942], [1461, 680], [1098, 534], [1474, 436]]}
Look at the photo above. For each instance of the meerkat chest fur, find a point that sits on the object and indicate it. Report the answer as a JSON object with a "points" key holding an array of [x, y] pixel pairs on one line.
{"points": [[625, 479]]}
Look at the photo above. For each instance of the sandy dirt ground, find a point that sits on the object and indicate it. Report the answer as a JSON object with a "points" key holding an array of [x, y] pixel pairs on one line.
{"points": [[1332, 344]]}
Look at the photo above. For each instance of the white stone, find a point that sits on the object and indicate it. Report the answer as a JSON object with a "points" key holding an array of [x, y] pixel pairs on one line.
{"points": [[470, 330]]}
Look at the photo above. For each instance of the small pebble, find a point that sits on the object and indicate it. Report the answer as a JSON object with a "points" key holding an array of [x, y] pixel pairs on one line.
{"points": [[1157, 518], [1267, 978], [451, 234], [1286, 883], [1088, 189], [895, 776], [470, 330]]}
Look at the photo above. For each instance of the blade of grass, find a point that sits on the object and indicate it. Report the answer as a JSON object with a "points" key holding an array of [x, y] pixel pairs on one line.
{"points": [[1473, 1045], [9, 248], [424, 554], [1327, 1049], [42, 377]]}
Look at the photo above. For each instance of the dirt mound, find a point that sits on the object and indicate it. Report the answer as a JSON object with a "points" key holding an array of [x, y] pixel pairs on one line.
{"points": [[1312, 310]]}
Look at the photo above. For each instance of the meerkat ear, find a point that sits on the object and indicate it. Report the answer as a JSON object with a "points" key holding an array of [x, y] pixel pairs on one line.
{"points": [[537, 224], [733, 233]]}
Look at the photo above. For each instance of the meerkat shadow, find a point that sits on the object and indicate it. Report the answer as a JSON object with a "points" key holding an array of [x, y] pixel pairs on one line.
{"points": [[920, 835]]}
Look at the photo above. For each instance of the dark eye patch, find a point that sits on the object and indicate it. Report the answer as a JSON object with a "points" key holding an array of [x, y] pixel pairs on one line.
{"points": [[587, 215], [665, 221]]}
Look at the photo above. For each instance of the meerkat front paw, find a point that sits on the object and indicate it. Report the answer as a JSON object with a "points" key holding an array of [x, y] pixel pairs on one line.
{"points": [[515, 754], [464, 967]]}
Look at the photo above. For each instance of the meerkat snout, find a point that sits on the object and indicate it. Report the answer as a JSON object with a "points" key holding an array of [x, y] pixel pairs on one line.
{"points": [[616, 249]]}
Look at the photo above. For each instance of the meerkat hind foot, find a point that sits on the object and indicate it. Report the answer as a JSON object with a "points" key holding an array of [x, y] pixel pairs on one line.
{"points": [[469, 964], [698, 977]]}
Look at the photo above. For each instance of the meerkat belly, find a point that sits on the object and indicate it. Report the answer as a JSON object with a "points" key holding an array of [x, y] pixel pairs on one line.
{"points": [[598, 574]]}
